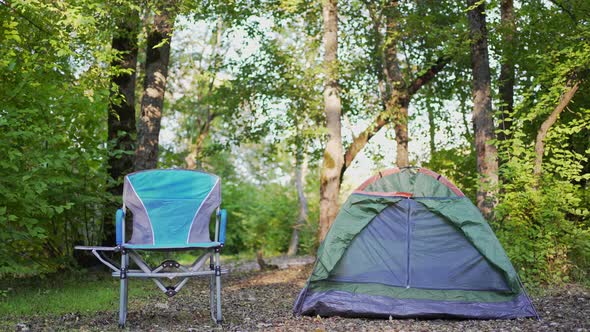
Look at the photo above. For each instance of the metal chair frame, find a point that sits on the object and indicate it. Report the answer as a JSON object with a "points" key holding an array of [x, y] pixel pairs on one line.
{"points": [[163, 271]]}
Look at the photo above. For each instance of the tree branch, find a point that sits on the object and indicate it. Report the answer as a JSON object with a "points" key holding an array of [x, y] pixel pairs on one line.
{"points": [[565, 10], [427, 76], [7, 5], [359, 142], [550, 121]]}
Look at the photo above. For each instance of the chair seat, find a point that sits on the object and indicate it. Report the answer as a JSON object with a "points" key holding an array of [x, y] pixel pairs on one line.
{"points": [[198, 245]]}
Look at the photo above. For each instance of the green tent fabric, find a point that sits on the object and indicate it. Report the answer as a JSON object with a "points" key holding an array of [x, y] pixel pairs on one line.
{"points": [[408, 243]]}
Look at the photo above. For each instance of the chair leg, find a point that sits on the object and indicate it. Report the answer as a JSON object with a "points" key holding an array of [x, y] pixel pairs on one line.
{"points": [[218, 286], [124, 290], [212, 304]]}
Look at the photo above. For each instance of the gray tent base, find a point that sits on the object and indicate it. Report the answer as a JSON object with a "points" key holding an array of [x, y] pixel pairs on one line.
{"points": [[168, 269], [344, 304]]}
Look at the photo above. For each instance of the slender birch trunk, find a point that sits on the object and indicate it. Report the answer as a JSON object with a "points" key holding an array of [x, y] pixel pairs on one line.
{"points": [[300, 173], [332, 165], [194, 158]]}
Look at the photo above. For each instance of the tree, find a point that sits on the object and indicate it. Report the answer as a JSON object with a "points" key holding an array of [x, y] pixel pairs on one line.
{"points": [[203, 101], [54, 87], [302, 217], [402, 61], [542, 211], [397, 81], [483, 121], [121, 114], [156, 73], [507, 75], [396, 86], [333, 162], [294, 63]]}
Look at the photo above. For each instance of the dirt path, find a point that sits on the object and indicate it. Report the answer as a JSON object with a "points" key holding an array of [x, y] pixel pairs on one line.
{"points": [[282, 262], [263, 301]]}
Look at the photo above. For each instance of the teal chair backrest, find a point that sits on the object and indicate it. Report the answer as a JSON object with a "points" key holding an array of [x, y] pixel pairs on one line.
{"points": [[171, 207]]}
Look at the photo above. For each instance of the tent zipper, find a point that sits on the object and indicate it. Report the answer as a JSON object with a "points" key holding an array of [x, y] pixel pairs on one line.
{"points": [[409, 239]]}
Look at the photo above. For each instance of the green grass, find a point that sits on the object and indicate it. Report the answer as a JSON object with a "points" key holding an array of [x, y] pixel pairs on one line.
{"points": [[81, 292], [57, 296]]}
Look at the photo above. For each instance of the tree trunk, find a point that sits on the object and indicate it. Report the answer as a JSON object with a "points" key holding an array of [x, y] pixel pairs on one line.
{"points": [[333, 161], [468, 136], [121, 118], [156, 73], [397, 99], [401, 136], [483, 121], [121, 113], [384, 118], [395, 93], [507, 77], [300, 173], [194, 158], [431, 129], [544, 129]]}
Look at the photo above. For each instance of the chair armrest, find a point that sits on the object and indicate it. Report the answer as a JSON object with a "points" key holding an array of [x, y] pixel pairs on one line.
{"points": [[119, 224], [222, 225]]}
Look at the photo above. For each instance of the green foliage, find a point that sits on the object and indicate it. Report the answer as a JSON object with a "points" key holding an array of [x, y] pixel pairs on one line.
{"points": [[52, 125], [264, 111], [459, 166], [544, 222], [262, 218], [262, 203], [265, 215], [544, 230], [249, 113]]}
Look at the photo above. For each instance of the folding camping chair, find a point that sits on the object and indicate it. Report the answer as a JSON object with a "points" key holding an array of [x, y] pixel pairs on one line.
{"points": [[171, 211]]}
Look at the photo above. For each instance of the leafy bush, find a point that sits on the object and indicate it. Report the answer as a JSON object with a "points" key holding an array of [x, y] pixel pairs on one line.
{"points": [[261, 217], [543, 226], [459, 165], [52, 125], [262, 205]]}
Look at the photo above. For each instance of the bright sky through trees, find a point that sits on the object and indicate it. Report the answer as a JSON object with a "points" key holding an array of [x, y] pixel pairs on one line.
{"points": [[380, 151]]}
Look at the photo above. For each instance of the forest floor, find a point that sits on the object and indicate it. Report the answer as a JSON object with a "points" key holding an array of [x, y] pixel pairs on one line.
{"points": [[255, 300]]}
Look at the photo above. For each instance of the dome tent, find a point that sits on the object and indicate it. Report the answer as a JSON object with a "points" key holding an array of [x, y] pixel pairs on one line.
{"points": [[408, 243]]}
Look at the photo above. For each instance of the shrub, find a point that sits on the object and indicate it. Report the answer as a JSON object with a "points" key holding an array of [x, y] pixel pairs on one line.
{"points": [[543, 226]]}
